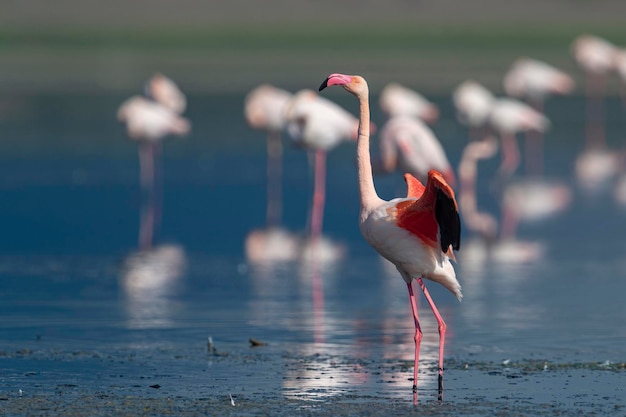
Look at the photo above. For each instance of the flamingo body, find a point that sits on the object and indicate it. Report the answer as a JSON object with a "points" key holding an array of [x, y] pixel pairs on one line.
{"points": [[397, 100], [536, 79], [409, 144], [594, 54], [510, 116], [165, 91], [316, 123], [150, 121], [406, 232], [264, 108], [473, 103]]}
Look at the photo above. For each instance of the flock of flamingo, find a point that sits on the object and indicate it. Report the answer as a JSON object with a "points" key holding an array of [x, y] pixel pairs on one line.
{"points": [[417, 233]]}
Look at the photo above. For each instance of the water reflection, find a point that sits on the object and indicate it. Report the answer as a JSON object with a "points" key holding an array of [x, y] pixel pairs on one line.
{"points": [[151, 280]]}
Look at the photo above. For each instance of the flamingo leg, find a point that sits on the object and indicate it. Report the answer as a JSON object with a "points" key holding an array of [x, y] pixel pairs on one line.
{"points": [[146, 179], [441, 325], [157, 192], [274, 179], [319, 195], [533, 152], [510, 155], [595, 110], [417, 338], [146, 166]]}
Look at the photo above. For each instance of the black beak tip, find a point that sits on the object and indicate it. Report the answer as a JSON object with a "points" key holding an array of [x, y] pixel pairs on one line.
{"points": [[324, 85]]}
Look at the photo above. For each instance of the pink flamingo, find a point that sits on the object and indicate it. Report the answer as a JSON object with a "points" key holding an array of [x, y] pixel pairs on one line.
{"points": [[507, 118], [397, 100], [596, 164], [318, 125], [534, 80], [165, 91], [149, 122], [473, 104], [596, 56], [408, 144], [488, 246], [417, 233], [264, 109], [620, 68]]}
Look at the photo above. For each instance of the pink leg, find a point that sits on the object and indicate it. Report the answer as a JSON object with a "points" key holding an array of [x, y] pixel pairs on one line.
{"points": [[510, 155], [442, 334], [595, 110], [274, 179], [509, 223], [157, 192], [319, 195], [146, 166], [417, 338], [146, 179], [533, 154]]}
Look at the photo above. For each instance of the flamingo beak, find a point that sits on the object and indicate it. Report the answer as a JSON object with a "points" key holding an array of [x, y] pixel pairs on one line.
{"points": [[336, 79]]}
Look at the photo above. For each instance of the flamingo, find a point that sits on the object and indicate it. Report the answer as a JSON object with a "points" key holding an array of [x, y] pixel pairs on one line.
{"points": [[534, 80], [149, 122], [489, 246], [407, 143], [264, 109], [596, 56], [508, 117], [397, 100], [165, 91], [417, 233], [318, 125], [620, 68], [473, 104]]}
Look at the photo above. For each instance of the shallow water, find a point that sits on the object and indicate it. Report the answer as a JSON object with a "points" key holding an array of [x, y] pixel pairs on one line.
{"points": [[82, 313]]}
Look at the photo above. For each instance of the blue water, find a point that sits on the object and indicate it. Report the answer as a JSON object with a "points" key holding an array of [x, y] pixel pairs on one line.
{"points": [[69, 220]]}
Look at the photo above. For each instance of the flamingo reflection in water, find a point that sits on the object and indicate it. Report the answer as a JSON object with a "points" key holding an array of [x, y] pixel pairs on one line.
{"points": [[151, 279]]}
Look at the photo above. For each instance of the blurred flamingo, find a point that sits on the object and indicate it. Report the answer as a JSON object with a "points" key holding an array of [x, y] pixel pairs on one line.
{"points": [[473, 104], [596, 165], [535, 80], [508, 117], [149, 122], [488, 246], [528, 199], [397, 100], [620, 68], [416, 233], [164, 90], [318, 125], [407, 144], [264, 109], [596, 56]]}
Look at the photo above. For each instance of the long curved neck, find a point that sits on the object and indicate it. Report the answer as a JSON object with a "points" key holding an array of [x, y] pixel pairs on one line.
{"points": [[367, 191]]}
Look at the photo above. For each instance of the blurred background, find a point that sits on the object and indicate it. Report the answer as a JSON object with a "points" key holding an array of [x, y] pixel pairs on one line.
{"points": [[73, 216]]}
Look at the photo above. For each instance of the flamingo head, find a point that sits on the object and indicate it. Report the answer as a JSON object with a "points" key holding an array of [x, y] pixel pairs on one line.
{"points": [[354, 84]]}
